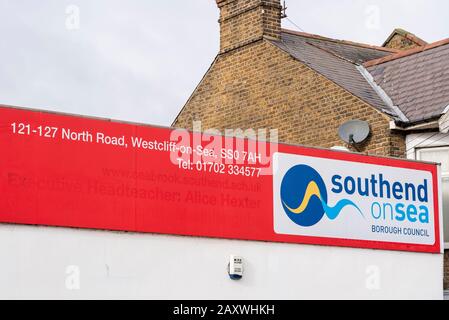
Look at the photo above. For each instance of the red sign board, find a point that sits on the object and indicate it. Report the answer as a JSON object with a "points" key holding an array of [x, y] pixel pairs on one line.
{"points": [[69, 171]]}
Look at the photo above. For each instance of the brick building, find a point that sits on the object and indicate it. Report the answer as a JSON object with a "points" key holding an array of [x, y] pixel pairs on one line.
{"points": [[306, 86], [403, 40]]}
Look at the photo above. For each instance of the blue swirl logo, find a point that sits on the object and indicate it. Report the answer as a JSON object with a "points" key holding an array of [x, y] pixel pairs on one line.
{"points": [[304, 197]]}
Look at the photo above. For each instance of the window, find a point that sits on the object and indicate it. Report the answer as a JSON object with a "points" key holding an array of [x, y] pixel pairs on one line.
{"points": [[440, 155]]}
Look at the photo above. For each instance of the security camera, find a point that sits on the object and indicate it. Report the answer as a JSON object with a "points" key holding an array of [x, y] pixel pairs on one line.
{"points": [[235, 268]]}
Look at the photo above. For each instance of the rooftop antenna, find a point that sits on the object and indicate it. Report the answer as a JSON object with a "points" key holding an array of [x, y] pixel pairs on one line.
{"points": [[284, 11], [354, 132]]}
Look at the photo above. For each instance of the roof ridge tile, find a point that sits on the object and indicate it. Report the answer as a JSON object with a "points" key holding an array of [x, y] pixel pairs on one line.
{"points": [[351, 43], [406, 53]]}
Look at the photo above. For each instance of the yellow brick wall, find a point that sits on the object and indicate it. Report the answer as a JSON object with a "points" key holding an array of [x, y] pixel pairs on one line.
{"points": [[401, 43], [260, 86]]}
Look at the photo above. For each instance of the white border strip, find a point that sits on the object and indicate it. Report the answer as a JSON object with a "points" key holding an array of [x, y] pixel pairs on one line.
{"points": [[381, 92], [446, 110]]}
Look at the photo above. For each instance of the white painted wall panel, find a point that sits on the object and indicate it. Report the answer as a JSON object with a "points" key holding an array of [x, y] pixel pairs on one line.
{"points": [[425, 140], [34, 261]]}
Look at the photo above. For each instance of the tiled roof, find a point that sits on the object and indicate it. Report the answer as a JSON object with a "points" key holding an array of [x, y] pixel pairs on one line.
{"points": [[338, 61], [417, 80], [411, 86], [406, 53]]}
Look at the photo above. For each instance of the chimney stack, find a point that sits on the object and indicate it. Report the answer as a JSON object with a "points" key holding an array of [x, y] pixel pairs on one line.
{"points": [[246, 21]]}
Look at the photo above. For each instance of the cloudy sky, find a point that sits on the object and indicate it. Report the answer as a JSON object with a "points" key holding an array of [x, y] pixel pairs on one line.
{"points": [[139, 60]]}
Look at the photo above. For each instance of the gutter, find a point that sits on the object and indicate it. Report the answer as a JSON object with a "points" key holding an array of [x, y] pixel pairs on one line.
{"points": [[430, 125], [440, 123]]}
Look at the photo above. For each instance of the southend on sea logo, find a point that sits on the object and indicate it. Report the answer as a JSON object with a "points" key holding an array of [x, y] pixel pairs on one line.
{"points": [[305, 200]]}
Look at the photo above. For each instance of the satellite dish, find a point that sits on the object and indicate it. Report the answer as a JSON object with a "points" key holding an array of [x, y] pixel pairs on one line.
{"points": [[354, 131]]}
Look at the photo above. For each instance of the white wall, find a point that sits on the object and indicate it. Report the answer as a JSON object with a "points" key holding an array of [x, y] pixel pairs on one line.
{"points": [[34, 262], [419, 141], [425, 140]]}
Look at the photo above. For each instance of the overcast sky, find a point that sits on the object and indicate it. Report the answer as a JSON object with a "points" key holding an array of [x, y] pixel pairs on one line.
{"points": [[139, 60]]}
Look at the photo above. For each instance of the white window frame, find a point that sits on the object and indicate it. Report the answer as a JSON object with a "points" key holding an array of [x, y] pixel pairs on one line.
{"points": [[444, 175]]}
